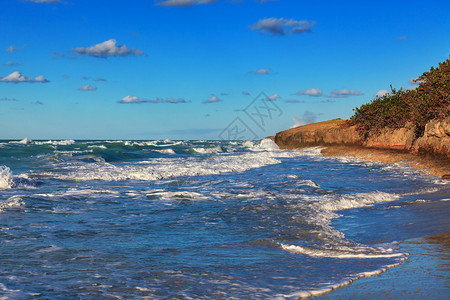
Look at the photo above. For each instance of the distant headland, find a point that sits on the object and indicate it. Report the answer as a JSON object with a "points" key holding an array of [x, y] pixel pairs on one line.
{"points": [[403, 125]]}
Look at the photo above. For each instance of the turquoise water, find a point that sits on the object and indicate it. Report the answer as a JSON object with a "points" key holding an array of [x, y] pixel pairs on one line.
{"points": [[201, 219]]}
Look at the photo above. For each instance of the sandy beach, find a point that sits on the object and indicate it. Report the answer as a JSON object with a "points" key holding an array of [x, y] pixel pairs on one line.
{"points": [[433, 165]]}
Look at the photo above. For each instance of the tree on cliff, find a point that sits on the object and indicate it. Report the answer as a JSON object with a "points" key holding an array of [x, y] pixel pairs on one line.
{"points": [[430, 100]]}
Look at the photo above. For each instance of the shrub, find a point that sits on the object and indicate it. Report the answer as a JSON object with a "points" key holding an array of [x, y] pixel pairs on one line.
{"points": [[430, 100]]}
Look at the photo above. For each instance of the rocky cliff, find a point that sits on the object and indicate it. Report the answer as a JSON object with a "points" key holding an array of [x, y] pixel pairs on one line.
{"points": [[434, 139]]}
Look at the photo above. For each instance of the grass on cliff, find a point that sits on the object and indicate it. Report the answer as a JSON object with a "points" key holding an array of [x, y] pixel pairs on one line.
{"points": [[430, 100]]}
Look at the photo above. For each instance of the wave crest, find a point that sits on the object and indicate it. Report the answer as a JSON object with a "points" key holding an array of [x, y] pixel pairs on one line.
{"points": [[6, 178]]}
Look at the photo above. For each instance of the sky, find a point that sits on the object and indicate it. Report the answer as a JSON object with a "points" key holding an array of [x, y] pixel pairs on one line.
{"points": [[204, 69]]}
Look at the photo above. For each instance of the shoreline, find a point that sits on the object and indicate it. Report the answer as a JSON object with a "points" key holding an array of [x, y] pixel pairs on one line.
{"points": [[425, 271], [429, 153], [407, 278], [424, 275], [432, 165]]}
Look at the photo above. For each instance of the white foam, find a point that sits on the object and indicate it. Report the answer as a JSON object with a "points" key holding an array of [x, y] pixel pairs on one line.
{"points": [[266, 144], [309, 183], [248, 144], [56, 143], [92, 193], [50, 248], [166, 143], [442, 181], [103, 147], [160, 168], [331, 287], [6, 178], [348, 201], [349, 253], [165, 195], [210, 150], [14, 201], [166, 151], [25, 141], [169, 143]]}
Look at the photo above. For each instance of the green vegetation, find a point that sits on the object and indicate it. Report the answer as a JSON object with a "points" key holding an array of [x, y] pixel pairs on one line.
{"points": [[430, 100]]}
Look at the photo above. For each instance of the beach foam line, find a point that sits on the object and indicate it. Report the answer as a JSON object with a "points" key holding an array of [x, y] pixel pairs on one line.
{"points": [[332, 287], [359, 200], [337, 254]]}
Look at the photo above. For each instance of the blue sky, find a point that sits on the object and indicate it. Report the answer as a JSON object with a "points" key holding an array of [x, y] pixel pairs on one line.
{"points": [[185, 69]]}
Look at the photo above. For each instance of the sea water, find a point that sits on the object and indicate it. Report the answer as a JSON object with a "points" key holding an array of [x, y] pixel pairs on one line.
{"points": [[201, 219]]}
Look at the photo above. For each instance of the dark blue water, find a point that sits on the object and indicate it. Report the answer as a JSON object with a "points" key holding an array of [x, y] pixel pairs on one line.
{"points": [[200, 219]]}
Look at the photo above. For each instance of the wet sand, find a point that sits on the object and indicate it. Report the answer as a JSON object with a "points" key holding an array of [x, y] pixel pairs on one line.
{"points": [[425, 275], [436, 166]]}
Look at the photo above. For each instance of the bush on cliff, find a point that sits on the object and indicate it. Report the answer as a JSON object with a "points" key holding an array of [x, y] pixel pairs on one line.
{"points": [[430, 100]]}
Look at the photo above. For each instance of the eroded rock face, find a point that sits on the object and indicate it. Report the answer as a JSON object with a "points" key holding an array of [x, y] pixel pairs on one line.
{"points": [[317, 134], [435, 140], [399, 139]]}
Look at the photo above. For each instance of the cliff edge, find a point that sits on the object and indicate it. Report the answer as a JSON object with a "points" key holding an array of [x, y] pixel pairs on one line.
{"points": [[433, 140]]}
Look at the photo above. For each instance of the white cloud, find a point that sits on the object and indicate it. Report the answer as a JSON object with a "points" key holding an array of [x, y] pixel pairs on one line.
{"points": [[264, 71], [106, 49], [381, 93], [7, 99], [297, 122], [410, 88], [94, 79], [37, 102], [344, 93], [12, 64], [43, 1], [282, 26], [274, 97], [16, 77], [87, 88], [415, 81], [308, 117], [12, 49], [137, 100], [294, 101], [184, 3], [132, 100], [310, 92], [402, 38], [175, 100], [63, 55], [212, 99]]}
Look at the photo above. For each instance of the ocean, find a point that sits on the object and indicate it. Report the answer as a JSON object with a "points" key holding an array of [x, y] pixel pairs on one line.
{"points": [[202, 219]]}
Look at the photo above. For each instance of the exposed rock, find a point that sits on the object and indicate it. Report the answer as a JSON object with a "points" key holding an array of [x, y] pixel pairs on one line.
{"points": [[446, 176], [435, 139], [318, 134], [399, 139]]}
